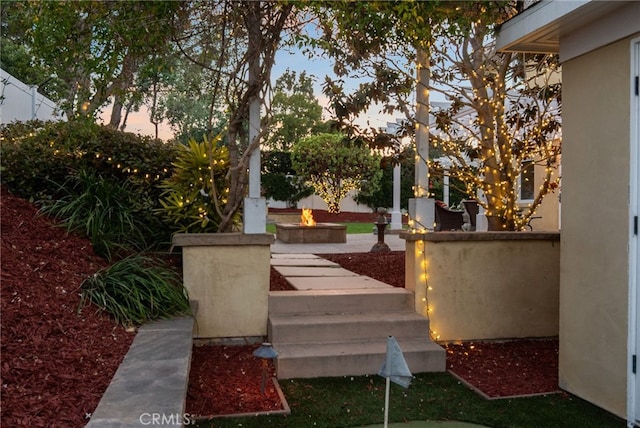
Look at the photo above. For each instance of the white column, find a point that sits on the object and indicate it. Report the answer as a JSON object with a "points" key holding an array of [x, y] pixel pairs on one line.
{"points": [[396, 215], [445, 187], [34, 95], [255, 207], [482, 224], [424, 215]]}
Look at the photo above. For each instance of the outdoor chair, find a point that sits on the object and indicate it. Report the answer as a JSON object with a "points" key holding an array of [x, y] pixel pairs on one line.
{"points": [[447, 219], [471, 206]]}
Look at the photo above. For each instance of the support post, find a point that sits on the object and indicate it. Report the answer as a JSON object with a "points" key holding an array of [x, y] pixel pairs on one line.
{"points": [[396, 215], [424, 216], [255, 207]]}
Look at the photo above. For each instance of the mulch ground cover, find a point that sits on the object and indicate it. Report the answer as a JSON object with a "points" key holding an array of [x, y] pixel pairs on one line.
{"points": [[57, 363], [504, 369], [228, 380]]}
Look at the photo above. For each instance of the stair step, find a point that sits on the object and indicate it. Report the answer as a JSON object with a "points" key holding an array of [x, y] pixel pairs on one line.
{"points": [[354, 358], [339, 328], [353, 301]]}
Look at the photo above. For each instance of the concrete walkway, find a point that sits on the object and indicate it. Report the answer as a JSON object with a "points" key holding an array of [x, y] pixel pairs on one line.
{"points": [[356, 243], [153, 378], [151, 381], [313, 273]]}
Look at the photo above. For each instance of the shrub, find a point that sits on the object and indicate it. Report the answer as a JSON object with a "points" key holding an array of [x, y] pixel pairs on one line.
{"points": [[33, 166], [279, 181], [197, 188], [335, 165], [102, 210], [137, 289], [40, 158]]}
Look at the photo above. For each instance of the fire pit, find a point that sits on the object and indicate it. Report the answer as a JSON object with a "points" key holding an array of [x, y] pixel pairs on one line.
{"points": [[308, 231]]}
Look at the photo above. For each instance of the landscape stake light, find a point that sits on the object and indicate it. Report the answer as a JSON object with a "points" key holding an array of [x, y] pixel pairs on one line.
{"points": [[265, 352]]}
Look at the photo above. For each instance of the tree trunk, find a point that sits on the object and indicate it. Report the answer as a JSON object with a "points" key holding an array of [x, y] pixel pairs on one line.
{"points": [[116, 113]]}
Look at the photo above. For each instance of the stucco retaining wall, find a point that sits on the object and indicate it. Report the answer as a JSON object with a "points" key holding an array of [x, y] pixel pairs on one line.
{"points": [[227, 274], [485, 285]]}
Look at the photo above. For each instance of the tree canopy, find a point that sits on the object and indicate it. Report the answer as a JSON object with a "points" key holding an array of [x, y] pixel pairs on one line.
{"points": [[335, 165], [190, 62], [91, 51]]}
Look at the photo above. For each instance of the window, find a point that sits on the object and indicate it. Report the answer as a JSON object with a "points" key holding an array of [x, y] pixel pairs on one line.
{"points": [[527, 181]]}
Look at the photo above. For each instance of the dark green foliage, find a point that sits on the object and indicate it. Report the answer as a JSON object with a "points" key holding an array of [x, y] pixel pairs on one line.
{"points": [[33, 166], [383, 196], [334, 165], [137, 289], [279, 180], [41, 159], [38, 156], [102, 209]]}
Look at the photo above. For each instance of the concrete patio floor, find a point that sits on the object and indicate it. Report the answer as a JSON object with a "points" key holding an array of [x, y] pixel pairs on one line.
{"points": [[356, 243]]}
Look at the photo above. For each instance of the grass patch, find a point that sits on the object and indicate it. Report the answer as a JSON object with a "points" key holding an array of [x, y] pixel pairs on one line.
{"points": [[352, 228], [359, 401]]}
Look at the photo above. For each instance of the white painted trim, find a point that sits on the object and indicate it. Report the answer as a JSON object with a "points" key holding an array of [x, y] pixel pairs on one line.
{"points": [[539, 18], [633, 401], [570, 27], [609, 28]]}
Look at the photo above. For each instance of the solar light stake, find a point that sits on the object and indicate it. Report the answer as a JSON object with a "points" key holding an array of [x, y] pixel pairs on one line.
{"points": [[265, 352]]}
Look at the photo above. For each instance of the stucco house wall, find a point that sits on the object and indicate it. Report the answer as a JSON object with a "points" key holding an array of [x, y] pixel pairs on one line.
{"points": [[594, 282], [598, 336]]}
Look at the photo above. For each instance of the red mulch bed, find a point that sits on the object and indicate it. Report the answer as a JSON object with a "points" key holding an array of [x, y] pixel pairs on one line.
{"points": [[228, 380], [504, 369], [56, 364]]}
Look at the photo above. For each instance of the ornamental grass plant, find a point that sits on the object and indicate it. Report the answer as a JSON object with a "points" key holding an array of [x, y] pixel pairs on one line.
{"points": [[136, 289]]}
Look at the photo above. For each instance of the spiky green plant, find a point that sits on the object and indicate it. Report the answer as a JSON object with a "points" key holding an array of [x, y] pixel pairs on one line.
{"points": [[194, 195], [136, 289]]}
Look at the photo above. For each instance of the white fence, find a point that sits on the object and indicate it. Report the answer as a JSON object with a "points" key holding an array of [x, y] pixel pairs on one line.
{"points": [[20, 102], [316, 203]]}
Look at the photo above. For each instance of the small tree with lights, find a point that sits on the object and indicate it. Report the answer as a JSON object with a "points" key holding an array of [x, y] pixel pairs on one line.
{"points": [[334, 165], [503, 118]]}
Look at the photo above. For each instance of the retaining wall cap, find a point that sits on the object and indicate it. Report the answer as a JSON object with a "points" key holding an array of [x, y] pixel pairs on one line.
{"points": [[481, 236], [219, 239]]}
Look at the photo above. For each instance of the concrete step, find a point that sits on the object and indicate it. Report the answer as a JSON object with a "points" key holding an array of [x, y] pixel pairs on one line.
{"points": [[354, 358], [350, 301], [345, 327]]}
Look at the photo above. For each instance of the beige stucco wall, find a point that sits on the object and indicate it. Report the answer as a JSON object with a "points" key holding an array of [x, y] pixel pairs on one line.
{"points": [[228, 276], [549, 209], [485, 285], [594, 260]]}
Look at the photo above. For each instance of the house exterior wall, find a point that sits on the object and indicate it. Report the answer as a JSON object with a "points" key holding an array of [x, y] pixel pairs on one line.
{"points": [[548, 212], [594, 259], [315, 202]]}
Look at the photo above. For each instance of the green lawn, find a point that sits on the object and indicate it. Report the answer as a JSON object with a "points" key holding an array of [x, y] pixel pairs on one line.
{"points": [[359, 401], [351, 228]]}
